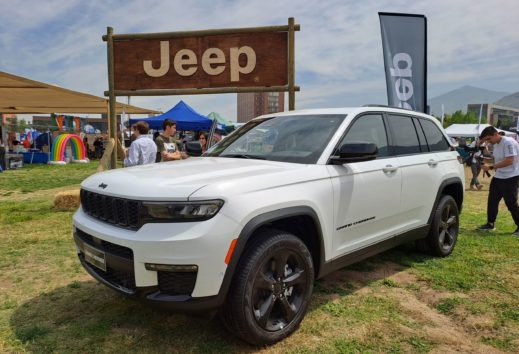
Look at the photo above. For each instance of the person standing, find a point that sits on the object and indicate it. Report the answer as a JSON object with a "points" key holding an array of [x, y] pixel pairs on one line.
{"points": [[505, 182], [2, 155], [167, 145], [143, 150], [202, 138], [98, 146]]}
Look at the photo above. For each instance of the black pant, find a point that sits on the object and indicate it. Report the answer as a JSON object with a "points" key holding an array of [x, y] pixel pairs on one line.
{"points": [[503, 189], [2, 157]]}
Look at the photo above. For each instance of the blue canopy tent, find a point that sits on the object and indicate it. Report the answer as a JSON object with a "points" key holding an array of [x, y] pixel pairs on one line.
{"points": [[185, 116]]}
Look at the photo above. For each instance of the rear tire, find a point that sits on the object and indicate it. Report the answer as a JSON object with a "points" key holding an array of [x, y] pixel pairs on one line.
{"points": [[271, 289], [443, 234]]}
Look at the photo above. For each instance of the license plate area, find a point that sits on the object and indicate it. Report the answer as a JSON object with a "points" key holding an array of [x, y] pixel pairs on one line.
{"points": [[94, 256]]}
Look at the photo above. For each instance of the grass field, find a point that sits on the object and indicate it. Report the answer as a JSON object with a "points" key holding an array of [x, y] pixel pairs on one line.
{"points": [[398, 302]]}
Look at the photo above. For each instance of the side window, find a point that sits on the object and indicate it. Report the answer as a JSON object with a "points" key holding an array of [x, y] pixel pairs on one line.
{"points": [[405, 139], [421, 136], [434, 136], [368, 128]]}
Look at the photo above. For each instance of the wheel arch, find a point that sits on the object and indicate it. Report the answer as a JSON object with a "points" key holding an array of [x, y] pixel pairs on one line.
{"points": [[302, 221], [453, 187]]}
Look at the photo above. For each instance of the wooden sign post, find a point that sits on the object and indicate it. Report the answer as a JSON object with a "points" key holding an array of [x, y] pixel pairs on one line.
{"points": [[258, 59]]}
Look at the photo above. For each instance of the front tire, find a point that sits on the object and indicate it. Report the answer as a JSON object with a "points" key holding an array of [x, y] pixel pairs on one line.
{"points": [[271, 290], [444, 229]]}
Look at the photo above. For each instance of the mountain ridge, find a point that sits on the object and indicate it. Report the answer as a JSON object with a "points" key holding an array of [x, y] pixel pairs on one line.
{"points": [[458, 99]]}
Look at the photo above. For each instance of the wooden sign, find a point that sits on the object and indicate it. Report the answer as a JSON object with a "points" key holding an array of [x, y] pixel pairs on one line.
{"points": [[255, 59], [211, 61]]}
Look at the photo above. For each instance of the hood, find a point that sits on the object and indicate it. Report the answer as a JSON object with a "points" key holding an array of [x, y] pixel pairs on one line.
{"points": [[177, 180]]}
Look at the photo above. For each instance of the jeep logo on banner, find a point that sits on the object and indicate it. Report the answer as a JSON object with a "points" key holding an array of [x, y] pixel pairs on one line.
{"points": [[404, 42]]}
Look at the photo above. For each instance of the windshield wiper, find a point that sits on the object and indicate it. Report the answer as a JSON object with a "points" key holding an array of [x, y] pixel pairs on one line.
{"points": [[244, 156]]}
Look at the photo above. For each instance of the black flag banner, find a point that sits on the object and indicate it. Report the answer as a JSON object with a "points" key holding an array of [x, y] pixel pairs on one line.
{"points": [[404, 42]]}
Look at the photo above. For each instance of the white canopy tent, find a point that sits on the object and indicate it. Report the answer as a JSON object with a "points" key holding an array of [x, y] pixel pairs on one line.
{"points": [[471, 130]]}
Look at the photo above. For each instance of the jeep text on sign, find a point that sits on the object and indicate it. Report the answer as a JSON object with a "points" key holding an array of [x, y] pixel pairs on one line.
{"points": [[236, 60]]}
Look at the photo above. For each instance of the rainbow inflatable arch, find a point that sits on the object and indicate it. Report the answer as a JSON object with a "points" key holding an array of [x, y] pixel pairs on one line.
{"points": [[57, 156]]}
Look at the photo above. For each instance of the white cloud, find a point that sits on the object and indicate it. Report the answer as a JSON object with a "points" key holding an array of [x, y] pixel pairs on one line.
{"points": [[338, 50]]}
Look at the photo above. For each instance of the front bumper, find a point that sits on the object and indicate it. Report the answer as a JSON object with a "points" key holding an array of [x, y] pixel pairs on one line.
{"points": [[126, 253]]}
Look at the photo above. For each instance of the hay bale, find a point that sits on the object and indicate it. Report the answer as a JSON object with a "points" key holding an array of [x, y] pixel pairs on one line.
{"points": [[67, 200]]}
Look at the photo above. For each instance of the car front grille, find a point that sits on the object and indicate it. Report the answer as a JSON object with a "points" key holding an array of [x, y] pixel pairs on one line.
{"points": [[117, 277], [117, 211], [108, 247]]}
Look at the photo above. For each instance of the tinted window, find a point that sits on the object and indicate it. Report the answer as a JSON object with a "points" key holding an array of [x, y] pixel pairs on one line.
{"points": [[405, 140], [368, 129], [434, 136], [421, 136]]}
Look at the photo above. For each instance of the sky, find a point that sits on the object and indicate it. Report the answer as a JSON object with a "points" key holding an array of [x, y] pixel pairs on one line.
{"points": [[338, 52]]}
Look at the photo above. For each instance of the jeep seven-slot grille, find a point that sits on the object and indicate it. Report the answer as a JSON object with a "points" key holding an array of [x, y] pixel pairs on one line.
{"points": [[116, 211]]}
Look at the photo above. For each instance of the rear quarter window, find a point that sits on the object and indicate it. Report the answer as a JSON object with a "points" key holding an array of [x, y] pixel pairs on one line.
{"points": [[435, 138]]}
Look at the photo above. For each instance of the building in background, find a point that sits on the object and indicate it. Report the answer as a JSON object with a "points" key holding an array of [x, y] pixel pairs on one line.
{"points": [[501, 117], [255, 104]]}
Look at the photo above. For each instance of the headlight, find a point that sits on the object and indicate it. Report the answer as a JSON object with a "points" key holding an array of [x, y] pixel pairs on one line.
{"points": [[180, 211]]}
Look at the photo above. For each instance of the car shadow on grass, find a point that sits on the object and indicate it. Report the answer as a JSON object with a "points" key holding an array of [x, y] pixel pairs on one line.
{"points": [[87, 317]]}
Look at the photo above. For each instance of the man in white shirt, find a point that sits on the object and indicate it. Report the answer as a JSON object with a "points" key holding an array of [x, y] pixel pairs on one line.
{"points": [[505, 182], [143, 150]]}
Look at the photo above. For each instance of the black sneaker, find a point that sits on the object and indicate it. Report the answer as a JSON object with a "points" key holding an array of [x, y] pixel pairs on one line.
{"points": [[516, 232], [487, 227]]}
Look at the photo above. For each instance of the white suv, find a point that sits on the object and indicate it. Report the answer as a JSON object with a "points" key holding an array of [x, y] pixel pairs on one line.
{"points": [[286, 199]]}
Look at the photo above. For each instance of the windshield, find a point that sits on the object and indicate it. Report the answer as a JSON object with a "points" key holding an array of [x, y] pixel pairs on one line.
{"points": [[298, 139]]}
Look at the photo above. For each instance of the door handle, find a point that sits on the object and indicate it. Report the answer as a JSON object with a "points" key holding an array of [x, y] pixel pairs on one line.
{"points": [[432, 163], [389, 169]]}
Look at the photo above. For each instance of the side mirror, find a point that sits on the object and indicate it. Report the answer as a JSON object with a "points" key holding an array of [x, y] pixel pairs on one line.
{"points": [[193, 148], [355, 152]]}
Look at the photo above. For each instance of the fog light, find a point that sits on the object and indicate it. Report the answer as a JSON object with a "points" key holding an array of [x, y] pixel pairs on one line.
{"points": [[171, 267]]}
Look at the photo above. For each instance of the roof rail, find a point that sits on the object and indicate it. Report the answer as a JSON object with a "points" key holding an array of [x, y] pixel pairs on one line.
{"points": [[386, 106]]}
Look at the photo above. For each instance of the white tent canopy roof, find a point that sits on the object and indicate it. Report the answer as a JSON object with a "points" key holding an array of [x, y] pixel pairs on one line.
{"points": [[470, 130]]}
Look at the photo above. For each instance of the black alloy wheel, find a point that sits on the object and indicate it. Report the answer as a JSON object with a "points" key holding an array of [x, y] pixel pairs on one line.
{"points": [[279, 289], [448, 228], [271, 288], [445, 227]]}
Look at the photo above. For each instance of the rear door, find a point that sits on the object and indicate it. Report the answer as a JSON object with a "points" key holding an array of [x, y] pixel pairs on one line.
{"points": [[366, 194], [421, 172]]}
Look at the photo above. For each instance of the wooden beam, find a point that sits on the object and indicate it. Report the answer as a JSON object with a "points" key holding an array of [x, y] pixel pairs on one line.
{"points": [[112, 118], [200, 91], [200, 33], [291, 65]]}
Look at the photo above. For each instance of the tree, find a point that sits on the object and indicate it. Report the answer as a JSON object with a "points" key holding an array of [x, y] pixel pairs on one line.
{"points": [[22, 125], [459, 117]]}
